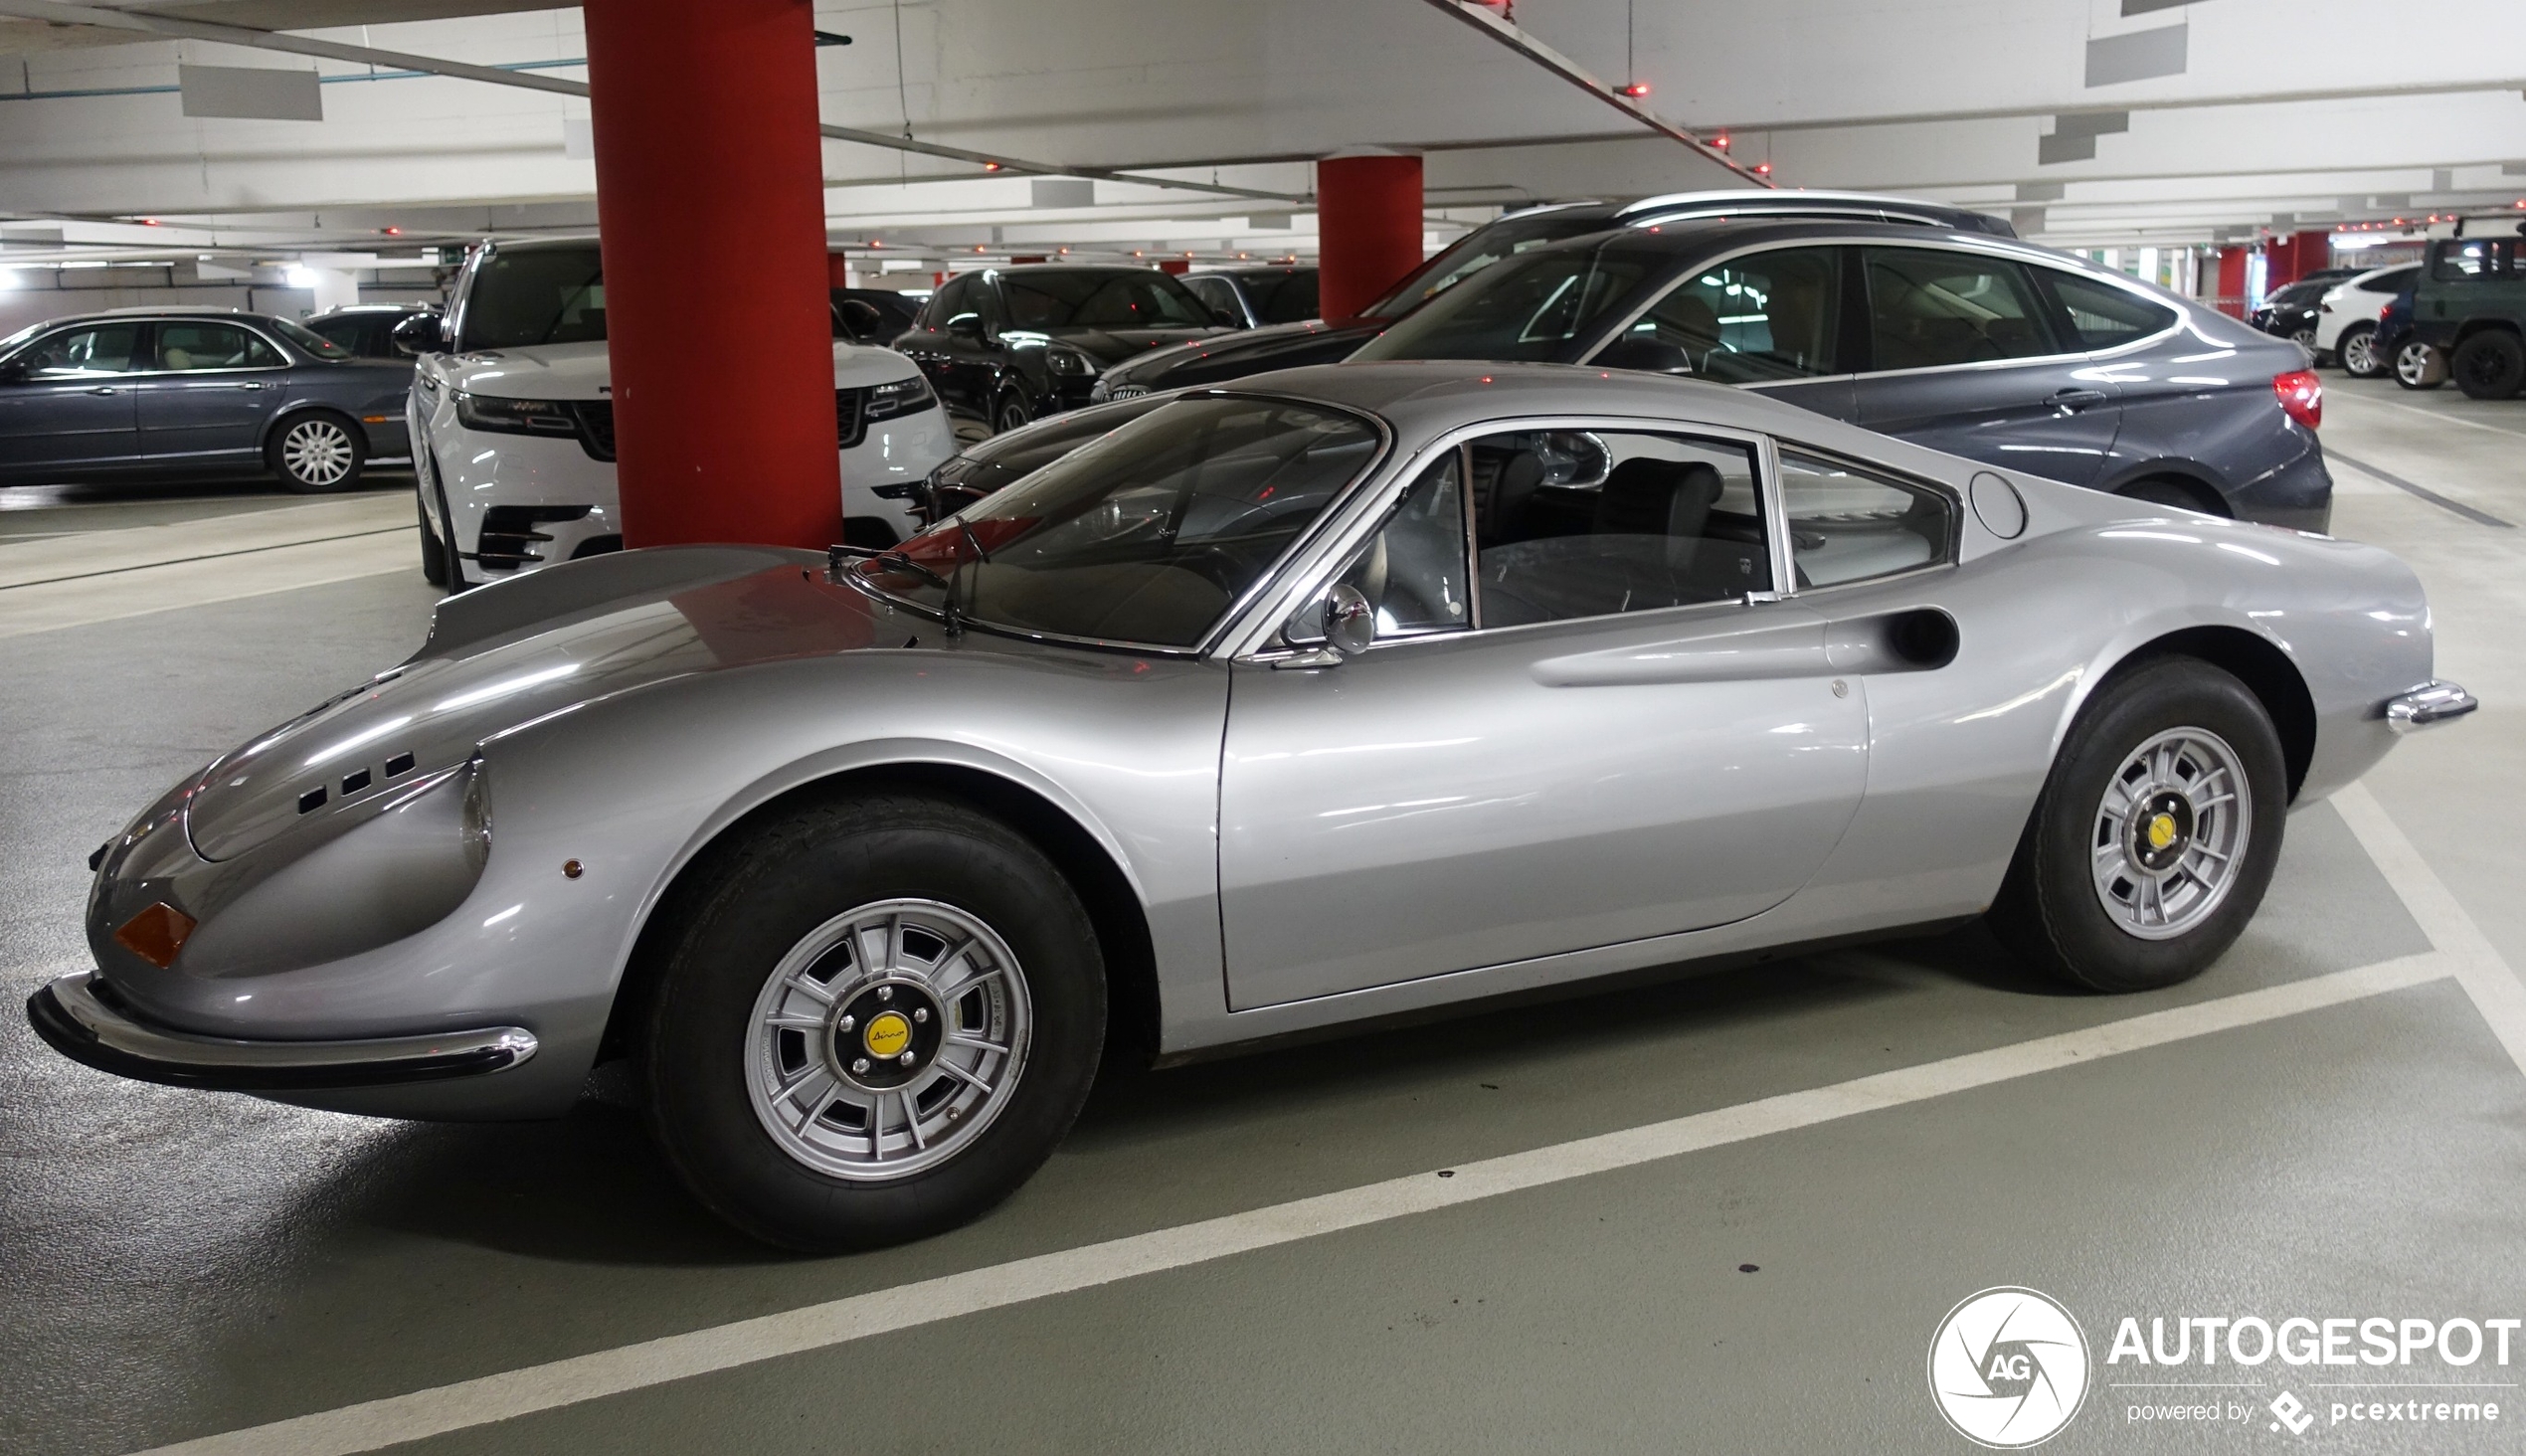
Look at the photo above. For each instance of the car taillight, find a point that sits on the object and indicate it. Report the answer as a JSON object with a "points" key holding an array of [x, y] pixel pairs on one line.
{"points": [[2301, 396]]}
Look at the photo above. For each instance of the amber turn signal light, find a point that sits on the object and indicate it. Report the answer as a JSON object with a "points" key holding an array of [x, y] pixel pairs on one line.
{"points": [[156, 934]]}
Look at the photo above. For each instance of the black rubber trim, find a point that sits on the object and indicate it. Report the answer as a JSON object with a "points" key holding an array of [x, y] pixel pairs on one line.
{"points": [[64, 1033]]}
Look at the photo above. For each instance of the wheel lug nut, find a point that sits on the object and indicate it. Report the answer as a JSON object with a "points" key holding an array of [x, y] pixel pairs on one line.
{"points": [[905, 1059], [920, 1013], [860, 1066], [846, 1023], [886, 993]]}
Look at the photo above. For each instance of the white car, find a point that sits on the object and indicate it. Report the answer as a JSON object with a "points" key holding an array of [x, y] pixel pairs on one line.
{"points": [[2346, 318], [513, 432]]}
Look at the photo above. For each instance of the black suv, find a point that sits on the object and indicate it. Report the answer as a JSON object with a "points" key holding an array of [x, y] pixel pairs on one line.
{"points": [[1318, 341], [1008, 344], [2470, 304], [1975, 345], [2290, 311]]}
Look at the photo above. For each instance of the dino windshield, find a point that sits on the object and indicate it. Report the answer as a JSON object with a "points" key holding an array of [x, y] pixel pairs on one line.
{"points": [[1147, 535]]}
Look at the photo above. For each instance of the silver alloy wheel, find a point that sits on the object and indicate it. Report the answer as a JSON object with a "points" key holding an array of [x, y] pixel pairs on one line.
{"points": [[2304, 338], [2359, 354], [885, 1042], [317, 452], [2170, 832], [2413, 364]]}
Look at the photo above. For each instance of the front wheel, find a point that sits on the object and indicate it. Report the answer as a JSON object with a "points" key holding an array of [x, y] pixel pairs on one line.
{"points": [[878, 1017], [2358, 352], [2155, 836], [434, 552], [316, 451], [1012, 412]]}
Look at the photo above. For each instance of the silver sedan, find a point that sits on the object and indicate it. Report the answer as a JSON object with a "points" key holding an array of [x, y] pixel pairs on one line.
{"points": [[1341, 693]]}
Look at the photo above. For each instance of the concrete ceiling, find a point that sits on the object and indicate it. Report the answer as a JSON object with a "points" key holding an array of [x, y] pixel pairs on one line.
{"points": [[2173, 123]]}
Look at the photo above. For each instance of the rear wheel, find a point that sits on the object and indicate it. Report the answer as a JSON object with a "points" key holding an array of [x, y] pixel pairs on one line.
{"points": [[2305, 337], [878, 1017], [2161, 491], [2491, 365], [315, 451], [2155, 836], [2358, 351], [2418, 366]]}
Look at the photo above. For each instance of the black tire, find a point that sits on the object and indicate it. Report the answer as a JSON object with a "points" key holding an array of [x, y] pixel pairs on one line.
{"points": [[2050, 909], [2357, 351], [2158, 490], [2413, 368], [757, 898], [1012, 412], [434, 552], [316, 451], [2490, 365]]}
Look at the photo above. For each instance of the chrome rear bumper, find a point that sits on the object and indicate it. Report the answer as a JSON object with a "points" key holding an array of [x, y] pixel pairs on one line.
{"points": [[2427, 705], [83, 1020]]}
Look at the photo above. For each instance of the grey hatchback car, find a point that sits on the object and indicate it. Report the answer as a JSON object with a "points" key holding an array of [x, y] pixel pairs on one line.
{"points": [[159, 390], [1977, 345]]}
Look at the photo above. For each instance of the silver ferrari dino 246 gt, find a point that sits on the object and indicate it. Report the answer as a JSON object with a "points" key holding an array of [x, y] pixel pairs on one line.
{"points": [[1341, 693]]}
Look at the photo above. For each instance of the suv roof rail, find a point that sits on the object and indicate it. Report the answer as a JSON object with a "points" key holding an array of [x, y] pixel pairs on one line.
{"points": [[2495, 225], [1746, 201], [170, 309]]}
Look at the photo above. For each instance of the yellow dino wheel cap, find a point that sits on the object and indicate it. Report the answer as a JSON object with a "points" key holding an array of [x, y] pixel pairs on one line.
{"points": [[887, 1035], [2161, 832]]}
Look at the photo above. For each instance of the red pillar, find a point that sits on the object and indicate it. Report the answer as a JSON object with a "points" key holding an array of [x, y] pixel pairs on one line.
{"points": [[1368, 226], [2231, 297], [710, 199]]}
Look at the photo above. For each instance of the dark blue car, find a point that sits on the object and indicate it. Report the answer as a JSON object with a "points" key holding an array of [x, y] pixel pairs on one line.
{"points": [[160, 391]]}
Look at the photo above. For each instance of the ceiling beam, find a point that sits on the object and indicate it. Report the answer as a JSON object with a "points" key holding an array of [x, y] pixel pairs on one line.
{"points": [[58, 12], [1508, 33], [2103, 104]]}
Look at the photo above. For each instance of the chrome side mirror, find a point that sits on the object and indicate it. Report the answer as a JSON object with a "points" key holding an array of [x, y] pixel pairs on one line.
{"points": [[1350, 623]]}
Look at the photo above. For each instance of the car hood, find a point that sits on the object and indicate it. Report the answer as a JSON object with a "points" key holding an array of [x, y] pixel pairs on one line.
{"points": [[584, 372], [511, 653], [1113, 345], [1248, 351]]}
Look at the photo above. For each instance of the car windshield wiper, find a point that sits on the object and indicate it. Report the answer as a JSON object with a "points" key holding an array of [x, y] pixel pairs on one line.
{"points": [[897, 556]]}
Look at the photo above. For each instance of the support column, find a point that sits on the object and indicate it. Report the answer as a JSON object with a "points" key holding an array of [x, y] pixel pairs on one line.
{"points": [[1369, 225], [710, 201], [2231, 296]]}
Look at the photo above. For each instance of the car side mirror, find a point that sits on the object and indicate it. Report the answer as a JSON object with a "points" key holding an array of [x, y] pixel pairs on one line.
{"points": [[966, 325], [1651, 356], [14, 372], [1225, 319], [1350, 623], [420, 334]]}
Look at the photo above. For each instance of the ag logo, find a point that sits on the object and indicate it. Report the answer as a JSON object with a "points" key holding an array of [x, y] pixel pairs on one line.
{"points": [[2008, 1368]]}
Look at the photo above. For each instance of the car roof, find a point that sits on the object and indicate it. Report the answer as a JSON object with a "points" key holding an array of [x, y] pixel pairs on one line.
{"points": [[171, 310], [1704, 234], [375, 309], [1436, 395], [1076, 268]]}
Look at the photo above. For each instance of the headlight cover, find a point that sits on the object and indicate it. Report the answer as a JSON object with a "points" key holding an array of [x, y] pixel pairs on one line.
{"points": [[900, 397], [515, 417], [1068, 361]]}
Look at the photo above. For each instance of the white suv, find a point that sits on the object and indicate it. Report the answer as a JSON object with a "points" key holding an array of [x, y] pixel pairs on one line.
{"points": [[2346, 318], [514, 441]]}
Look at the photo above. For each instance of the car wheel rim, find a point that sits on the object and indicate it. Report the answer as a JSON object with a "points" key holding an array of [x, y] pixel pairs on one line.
{"points": [[2304, 338], [2170, 834], [887, 1039], [317, 453], [2412, 365], [2359, 356]]}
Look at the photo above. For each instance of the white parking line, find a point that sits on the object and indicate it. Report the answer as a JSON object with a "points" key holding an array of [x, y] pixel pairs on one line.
{"points": [[2448, 416], [2463, 953], [2480, 967]]}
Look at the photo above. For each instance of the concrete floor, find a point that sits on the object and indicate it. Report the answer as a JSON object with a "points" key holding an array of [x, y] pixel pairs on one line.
{"points": [[174, 1264]]}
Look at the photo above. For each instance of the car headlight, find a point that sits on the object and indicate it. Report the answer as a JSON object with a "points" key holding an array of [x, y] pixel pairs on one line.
{"points": [[515, 417], [1068, 361], [901, 396]]}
